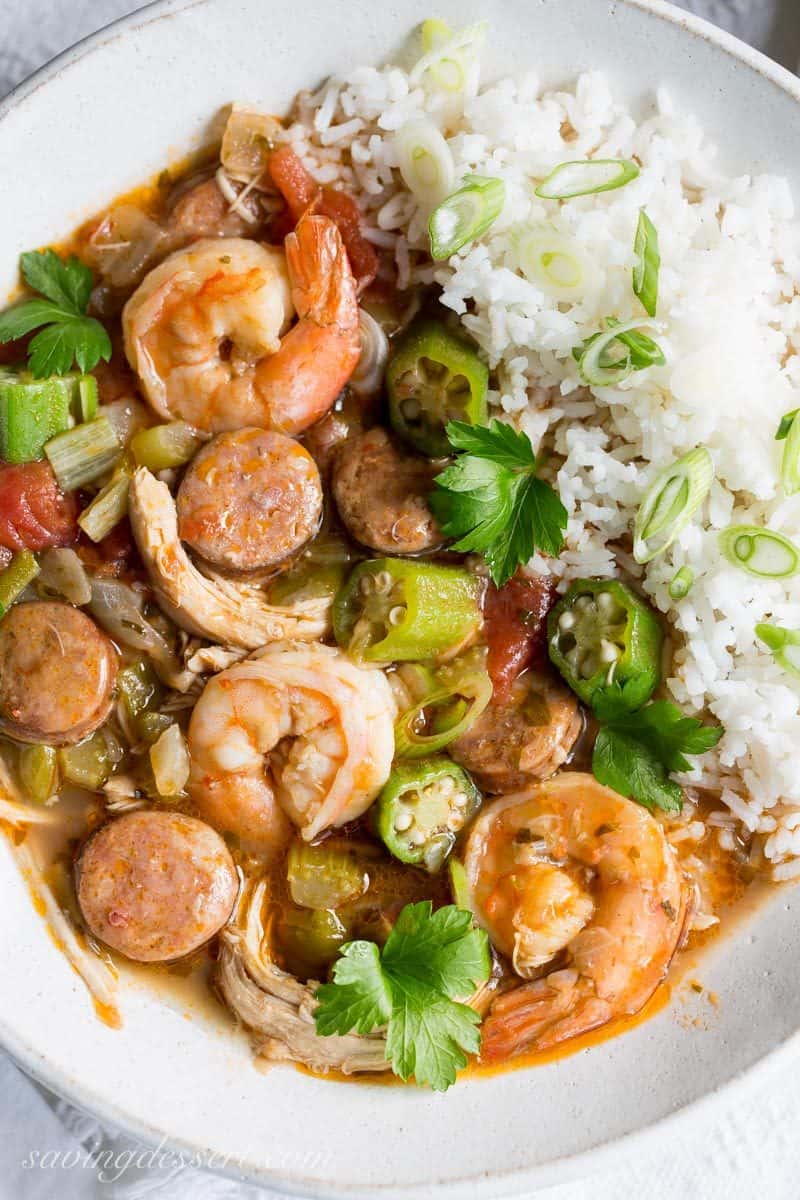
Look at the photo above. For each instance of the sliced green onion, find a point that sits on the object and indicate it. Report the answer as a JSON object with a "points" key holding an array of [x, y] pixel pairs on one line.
{"points": [[164, 446], [447, 55], [670, 502], [554, 261], [787, 420], [87, 398], [790, 460], [587, 178], [784, 644], [83, 454], [110, 504], [681, 583], [599, 367], [466, 215], [31, 412], [648, 262], [761, 552], [21, 571], [425, 161]]}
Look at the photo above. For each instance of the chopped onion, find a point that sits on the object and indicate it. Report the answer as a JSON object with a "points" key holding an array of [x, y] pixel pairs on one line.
{"points": [[466, 215], [784, 644], [790, 460], [761, 552], [554, 261], [367, 379], [648, 262], [126, 416], [118, 608], [681, 584], [247, 142], [670, 503], [448, 55], [425, 161], [169, 759], [599, 368], [587, 178], [125, 245], [62, 573]]}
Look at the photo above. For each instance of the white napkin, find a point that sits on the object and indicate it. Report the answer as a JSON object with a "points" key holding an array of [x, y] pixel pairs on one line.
{"points": [[747, 1145]]}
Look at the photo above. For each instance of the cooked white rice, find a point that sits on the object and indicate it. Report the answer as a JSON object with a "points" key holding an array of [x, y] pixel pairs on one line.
{"points": [[729, 323]]}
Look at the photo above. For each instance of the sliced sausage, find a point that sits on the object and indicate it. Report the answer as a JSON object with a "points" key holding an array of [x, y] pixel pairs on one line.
{"points": [[201, 211], [524, 737], [57, 673], [156, 885], [249, 500], [381, 491], [324, 440]]}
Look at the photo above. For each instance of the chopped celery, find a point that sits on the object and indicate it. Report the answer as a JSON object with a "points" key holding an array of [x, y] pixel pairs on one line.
{"points": [[38, 772], [21, 571], [165, 446], [110, 504], [87, 398], [83, 454], [139, 687], [32, 411]]}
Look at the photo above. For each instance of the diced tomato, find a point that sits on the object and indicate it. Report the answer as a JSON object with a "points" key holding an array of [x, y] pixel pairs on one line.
{"points": [[516, 633], [343, 209], [302, 194], [34, 512], [292, 180]]}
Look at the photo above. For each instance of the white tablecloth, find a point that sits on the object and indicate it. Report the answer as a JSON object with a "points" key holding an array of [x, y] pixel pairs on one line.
{"points": [[748, 1145]]}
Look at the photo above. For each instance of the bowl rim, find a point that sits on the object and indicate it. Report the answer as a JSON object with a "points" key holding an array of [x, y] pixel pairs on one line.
{"points": [[518, 1180]]}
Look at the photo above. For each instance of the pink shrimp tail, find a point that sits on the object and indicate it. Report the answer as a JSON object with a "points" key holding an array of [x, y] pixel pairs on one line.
{"points": [[323, 287], [538, 1016]]}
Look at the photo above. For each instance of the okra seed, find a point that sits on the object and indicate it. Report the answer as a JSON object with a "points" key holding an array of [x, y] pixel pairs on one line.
{"points": [[566, 621], [403, 821], [608, 652], [589, 664], [583, 604], [460, 800], [367, 585], [411, 409], [454, 822], [416, 839], [383, 582], [396, 614]]}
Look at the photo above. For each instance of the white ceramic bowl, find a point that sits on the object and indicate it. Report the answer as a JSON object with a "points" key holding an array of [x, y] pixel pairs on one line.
{"points": [[107, 116]]}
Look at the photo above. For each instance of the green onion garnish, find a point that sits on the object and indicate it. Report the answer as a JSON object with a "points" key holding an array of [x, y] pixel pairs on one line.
{"points": [[448, 54], [648, 261], [466, 215], [587, 178], [790, 460], [425, 160], [83, 454], [110, 504], [681, 583], [670, 503], [761, 552], [784, 644], [787, 420], [554, 261], [607, 358], [21, 571]]}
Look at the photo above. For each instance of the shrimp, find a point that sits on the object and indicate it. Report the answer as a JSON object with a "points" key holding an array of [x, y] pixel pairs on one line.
{"points": [[573, 880], [296, 730], [208, 331]]}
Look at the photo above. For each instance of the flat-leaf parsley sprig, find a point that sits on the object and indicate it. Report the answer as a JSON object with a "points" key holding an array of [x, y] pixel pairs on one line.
{"points": [[415, 987], [66, 334], [637, 748], [491, 501]]}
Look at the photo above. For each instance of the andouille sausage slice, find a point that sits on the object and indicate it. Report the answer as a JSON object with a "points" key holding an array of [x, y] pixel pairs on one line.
{"points": [[381, 491], [155, 885], [57, 673], [249, 500]]}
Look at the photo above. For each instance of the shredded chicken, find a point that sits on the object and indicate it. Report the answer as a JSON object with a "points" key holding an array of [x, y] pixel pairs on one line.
{"points": [[278, 1009], [229, 612]]}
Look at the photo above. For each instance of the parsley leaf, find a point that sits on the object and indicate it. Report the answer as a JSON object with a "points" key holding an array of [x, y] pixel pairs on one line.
{"points": [[431, 962], [68, 336], [490, 501], [635, 751]]}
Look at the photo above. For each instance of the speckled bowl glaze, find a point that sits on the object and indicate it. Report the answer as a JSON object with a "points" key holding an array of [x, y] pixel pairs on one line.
{"points": [[99, 120]]}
